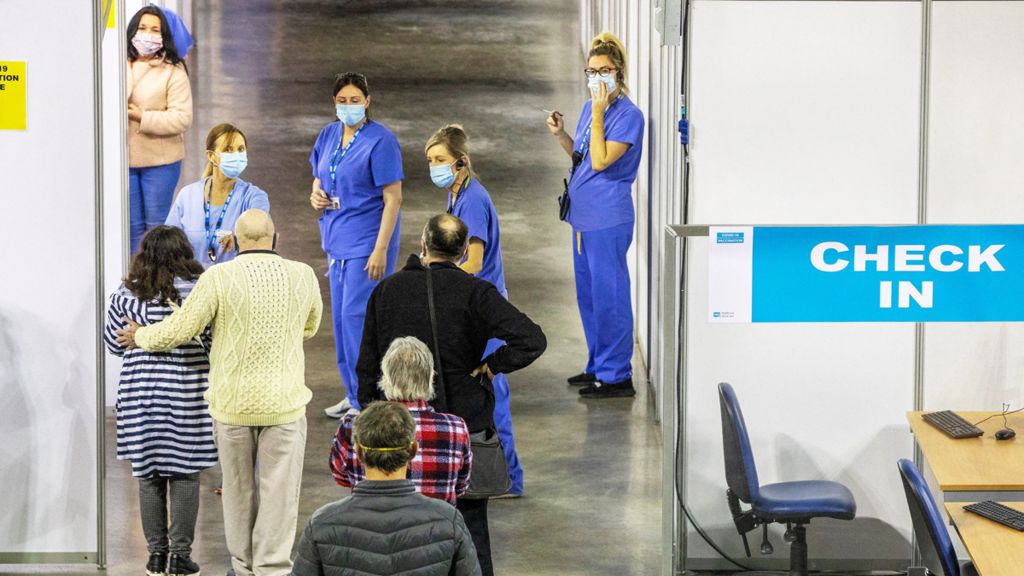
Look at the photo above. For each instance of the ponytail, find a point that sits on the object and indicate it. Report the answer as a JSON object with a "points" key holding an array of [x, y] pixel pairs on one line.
{"points": [[607, 44]]}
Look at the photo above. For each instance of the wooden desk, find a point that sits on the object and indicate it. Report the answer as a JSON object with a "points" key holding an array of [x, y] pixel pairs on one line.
{"points": [[995, 549], [972, 469]]}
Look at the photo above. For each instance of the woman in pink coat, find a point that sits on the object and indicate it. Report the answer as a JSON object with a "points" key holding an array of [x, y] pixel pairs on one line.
{"points": [[159, 114]]}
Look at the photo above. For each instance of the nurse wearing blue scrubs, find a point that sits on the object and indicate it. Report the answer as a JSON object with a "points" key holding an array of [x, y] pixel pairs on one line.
{"points": [[207, 210], [357, 182], [452, 171], [606, 152]]}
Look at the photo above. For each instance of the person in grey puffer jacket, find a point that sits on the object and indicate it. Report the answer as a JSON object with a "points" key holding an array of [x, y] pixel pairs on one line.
{"points": [[386, 527]]}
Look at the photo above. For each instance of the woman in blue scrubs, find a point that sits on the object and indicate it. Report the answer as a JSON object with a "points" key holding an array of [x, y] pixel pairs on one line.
{"points": [[452, 171], [357, 182], [207, 210], [606, 153]]}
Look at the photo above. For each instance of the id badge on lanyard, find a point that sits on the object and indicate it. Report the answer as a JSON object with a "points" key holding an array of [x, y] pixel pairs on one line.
{"points": [[336, 159], [214, 235]]}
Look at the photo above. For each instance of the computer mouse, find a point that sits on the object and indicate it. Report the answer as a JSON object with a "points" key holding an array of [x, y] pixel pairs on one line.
{"points": [[1005, 434]]}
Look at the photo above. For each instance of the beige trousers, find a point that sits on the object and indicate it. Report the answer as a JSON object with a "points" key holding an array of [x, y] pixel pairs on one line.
{"points": [[262, 469]]}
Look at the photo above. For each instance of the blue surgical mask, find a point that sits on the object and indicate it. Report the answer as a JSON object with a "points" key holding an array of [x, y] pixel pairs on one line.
{"points": [[350, 114], [595, 82], [233, 163], [442, 175]]}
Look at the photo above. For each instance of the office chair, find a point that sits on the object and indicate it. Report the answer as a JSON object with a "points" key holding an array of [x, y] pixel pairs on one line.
{"points": [[932, 537], [794, 503]]}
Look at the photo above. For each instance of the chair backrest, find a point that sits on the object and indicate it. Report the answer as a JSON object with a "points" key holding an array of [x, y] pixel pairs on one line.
{"points": [[740, 472], [932, 537]]}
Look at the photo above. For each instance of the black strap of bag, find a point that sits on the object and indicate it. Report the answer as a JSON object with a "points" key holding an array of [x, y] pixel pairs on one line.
{"points": [[489, 476], [441, 399]]}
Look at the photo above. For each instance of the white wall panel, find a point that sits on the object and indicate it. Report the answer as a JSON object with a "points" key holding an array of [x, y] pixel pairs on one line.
{"points": [[48, 306], [804, 113], [976, 175]]}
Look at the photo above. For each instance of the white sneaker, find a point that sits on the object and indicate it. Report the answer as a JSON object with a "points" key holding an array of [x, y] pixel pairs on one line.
{"points": [[339, 409]]}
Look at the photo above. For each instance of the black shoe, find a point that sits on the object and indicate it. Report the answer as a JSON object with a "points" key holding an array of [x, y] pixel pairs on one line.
{"points": [[157, 565], [182, 566], [622, 389], [582, 379]]}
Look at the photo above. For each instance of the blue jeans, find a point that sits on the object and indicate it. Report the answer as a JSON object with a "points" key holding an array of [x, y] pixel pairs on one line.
{"points": [[150, 192]]}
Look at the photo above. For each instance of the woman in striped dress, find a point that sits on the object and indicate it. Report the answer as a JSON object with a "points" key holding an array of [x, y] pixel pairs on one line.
{"points": [[163, 425]]}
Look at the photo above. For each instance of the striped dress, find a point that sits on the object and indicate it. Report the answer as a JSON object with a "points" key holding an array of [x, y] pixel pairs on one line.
{"points": [[163, 425]]}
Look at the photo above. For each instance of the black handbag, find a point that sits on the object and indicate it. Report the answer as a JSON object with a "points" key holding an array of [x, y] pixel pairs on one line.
{"points": [[489, 474]]}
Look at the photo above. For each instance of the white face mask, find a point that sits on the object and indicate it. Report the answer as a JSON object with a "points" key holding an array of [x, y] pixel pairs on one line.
{"points": [[147, 44]]}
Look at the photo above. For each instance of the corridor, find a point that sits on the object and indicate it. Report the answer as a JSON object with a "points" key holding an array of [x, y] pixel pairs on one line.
{"points": [[592, 504]]}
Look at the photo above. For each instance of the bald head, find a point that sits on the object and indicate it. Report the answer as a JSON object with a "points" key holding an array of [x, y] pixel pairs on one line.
{"points": [[254, 230], [445, 237]]}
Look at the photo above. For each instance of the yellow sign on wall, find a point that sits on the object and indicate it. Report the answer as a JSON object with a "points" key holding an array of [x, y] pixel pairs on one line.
{"points": [[12, 96], [111, 9]]}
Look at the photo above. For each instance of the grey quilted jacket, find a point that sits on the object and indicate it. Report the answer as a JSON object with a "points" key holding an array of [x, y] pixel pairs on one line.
{"points": [[386, 528]]}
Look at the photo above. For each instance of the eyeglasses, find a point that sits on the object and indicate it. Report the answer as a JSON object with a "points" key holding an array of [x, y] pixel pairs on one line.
{"points": [[603, 72]]}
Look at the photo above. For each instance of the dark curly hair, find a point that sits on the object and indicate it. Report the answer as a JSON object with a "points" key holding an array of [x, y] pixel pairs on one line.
{"points": [[164, 255]]}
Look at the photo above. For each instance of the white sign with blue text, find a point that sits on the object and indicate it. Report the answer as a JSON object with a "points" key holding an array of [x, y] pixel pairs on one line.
{"points": [[866, 274]]}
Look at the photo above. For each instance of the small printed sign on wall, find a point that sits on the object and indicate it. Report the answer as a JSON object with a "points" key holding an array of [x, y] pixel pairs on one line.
{"points": [[13, 110]]}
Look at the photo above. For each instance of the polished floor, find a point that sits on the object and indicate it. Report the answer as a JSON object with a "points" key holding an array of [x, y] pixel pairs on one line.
{"points": [[592, 468]]}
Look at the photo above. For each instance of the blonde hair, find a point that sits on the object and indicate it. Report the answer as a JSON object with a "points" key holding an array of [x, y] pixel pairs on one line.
{"points": [[454, 138], [607, 44], [225, 131]]}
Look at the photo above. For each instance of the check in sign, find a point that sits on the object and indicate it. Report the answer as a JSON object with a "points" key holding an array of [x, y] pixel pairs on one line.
{"points": [[866, 274]]}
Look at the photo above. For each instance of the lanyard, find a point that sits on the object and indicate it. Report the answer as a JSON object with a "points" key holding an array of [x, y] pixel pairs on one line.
{"points": [[212, 233], [339, 155], [451, 203]]}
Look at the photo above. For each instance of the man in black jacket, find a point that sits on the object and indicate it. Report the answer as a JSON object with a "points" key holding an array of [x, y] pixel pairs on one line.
{"points": [[469, 312], [386, 526]]}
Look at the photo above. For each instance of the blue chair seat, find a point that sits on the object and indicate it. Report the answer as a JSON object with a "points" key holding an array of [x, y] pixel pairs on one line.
{"points": [[806, 499]]}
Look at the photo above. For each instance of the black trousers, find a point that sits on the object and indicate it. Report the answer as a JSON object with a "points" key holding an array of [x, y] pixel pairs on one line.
{"points": [[474, 512]]}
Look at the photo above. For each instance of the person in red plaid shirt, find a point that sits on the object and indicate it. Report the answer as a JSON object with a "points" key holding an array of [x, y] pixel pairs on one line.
{"points": [[442, 464]]}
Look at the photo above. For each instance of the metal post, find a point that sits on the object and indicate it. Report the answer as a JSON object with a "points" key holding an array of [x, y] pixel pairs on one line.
{"points": [[99, 26]]}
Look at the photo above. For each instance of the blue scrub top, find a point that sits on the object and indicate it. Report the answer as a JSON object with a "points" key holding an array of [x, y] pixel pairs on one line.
{"points": [[605, 199], [373, 161], [187, 213], [474, 207]]}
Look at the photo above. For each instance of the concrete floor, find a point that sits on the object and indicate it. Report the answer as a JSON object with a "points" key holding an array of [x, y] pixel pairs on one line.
{"points": [[592, 468]]}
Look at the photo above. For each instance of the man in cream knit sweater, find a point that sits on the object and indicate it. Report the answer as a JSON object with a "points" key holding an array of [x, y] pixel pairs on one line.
{"points": [[261, 307]]}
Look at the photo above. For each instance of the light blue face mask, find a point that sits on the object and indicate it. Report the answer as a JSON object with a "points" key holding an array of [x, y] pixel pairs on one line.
{"points": [[233, 163], [442, 175], [595, 82], [350, 114]]}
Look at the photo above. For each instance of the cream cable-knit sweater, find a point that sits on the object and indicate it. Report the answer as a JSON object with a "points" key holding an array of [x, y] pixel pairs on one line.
{"points": [[262, 307]]}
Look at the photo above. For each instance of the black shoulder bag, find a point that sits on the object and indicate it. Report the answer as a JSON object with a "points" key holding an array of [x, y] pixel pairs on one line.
{"points": [[489, 475]]}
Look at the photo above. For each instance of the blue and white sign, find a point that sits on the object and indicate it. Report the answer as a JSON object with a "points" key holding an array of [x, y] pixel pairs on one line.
{"points": [[867, 274]]}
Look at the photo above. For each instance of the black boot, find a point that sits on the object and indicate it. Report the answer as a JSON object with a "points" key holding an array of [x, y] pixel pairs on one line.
{"points": [[157, 565], [582, 379], [182, 566]]}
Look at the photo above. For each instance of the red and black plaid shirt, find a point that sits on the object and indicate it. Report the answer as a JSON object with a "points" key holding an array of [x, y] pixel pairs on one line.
{"points": [[442, 463]]}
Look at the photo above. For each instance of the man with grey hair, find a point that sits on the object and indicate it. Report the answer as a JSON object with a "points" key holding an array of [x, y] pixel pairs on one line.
{"points": [[440, 469]]}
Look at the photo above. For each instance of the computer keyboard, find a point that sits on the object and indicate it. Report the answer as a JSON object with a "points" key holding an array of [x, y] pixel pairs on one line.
{"points": [[952, 424], [995, 511]]}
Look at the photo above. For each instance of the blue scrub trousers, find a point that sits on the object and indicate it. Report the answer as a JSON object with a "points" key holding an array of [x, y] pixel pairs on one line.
{"points": [[503, 422], [150, 192], [603, 295], [350, 291]]}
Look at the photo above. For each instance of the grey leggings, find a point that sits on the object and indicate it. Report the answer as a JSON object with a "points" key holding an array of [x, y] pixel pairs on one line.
{"points": [[184, 493]]}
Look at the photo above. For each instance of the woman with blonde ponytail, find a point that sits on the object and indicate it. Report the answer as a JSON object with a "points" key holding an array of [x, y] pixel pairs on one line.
{"points": [[207, 210], [605, 152]]}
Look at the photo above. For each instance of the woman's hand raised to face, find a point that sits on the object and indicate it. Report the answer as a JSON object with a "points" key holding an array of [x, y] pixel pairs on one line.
{"points": [[599, 99], [556, 124]]}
